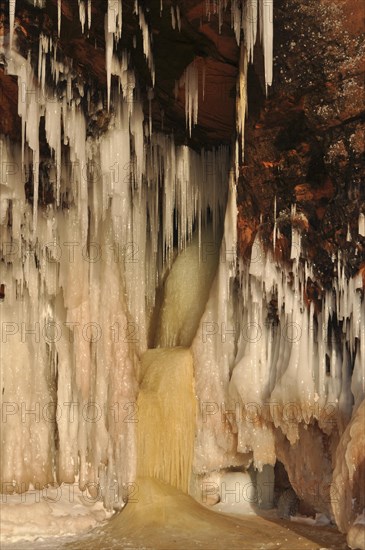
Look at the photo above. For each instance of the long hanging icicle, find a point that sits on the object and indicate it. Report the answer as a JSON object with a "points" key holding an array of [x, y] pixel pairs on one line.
{"points": [[242, 100], [361, 229], [146, 38], [12, 5], [82, 14], [266, 29], [245, 16], [59, 15], [113, 31], [89, 14], [190, 80], [249, 25], [29, 109]]}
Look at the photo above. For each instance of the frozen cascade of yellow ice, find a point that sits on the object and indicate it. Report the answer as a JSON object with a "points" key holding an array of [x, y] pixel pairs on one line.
{"points": [[166, 400], [166, 416]]}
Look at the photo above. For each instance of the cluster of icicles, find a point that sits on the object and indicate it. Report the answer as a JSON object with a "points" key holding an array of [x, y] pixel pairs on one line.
{"points": [[80, 270], [256, 372], [249, 20], [80, 276]]}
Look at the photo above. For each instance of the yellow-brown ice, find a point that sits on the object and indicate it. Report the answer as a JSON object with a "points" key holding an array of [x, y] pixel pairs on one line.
{"points": [[164, 518], [166, 416]]}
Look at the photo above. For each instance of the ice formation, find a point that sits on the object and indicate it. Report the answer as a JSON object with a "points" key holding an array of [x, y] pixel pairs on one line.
{"points": [[241, 105], [113, 31], [291, 367], [190, 81], [175, 17], [237, 494], [213, 350], [247, 17], [59, 15], [48, 514], [273, 362], [82, 14], [80, 269], [166, 426], [147, 45], [362, 224], [11, 22], [186, 291]]}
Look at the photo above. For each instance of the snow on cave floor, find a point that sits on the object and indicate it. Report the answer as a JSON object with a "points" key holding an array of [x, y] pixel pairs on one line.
{"points": [[162, 519]]}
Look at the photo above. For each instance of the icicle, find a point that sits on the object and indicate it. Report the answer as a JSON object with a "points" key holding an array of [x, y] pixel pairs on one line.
{"points": [[89, 13], [274, 231], [348, 235], [12, 6], [266, 25], [242, 98], [53, 135], [82, 14], [29, 109], [178, 18], [150, 97], [295, 245], [230, 227], [173, 20], [40, 56], [236, 20], [362, 224], [221, 4], [213, 351], [249, 26], [59, 14], [146, 43], [204, 79], [245, 17], [190, 80], [109, 56], [113, 31], [114, 18]]}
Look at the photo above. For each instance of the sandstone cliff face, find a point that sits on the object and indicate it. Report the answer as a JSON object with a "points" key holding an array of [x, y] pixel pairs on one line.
{"points": [[305, 142]]}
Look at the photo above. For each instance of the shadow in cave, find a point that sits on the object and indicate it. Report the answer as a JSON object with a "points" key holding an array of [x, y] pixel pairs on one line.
{"points": [[325, 536]]}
